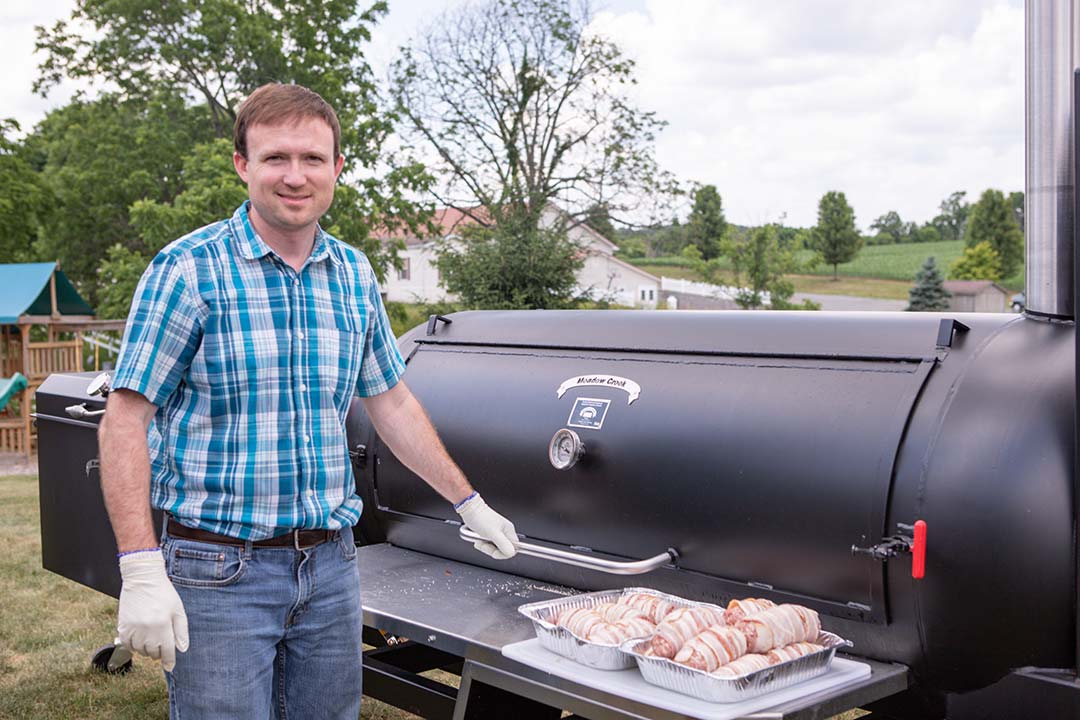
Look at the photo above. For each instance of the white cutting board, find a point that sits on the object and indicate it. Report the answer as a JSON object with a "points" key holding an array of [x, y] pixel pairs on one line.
{"points": [[629, 683]]}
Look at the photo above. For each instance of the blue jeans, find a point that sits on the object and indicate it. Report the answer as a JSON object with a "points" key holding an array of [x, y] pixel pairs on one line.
{"points": [[274, 632]]}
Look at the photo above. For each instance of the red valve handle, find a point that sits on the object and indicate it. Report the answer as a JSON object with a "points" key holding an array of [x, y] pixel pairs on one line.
{"points": [[918, 551]]}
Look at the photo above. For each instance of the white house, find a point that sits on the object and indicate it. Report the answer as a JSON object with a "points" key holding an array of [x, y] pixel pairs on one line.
{"points": [[602, 277]]}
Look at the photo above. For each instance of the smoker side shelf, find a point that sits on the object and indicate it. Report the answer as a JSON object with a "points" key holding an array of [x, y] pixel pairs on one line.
{"points": [[471, 612]]}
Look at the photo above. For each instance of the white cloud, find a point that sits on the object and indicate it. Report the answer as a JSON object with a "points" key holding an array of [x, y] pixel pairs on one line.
{"points": [[775, 103]]}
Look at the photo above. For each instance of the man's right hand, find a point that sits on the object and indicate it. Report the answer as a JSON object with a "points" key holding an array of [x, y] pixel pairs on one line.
{"points": [[152, 621]]}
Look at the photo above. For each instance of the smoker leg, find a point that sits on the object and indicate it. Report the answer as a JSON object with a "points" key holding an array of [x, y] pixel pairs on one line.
{"points": [[408, 691], [479, 701], [113, 659]]}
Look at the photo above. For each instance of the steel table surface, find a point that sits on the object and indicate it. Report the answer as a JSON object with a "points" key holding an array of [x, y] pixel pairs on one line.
{"points": [[472, 612]]}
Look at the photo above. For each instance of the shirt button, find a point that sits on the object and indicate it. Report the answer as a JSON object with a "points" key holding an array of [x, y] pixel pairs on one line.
{"points": [[307, 438], [303, 387], [300, 335], [296, 281], [310, 493]]}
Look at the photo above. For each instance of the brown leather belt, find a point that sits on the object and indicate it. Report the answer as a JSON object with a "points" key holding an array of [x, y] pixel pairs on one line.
{"points": [[299, 539]]}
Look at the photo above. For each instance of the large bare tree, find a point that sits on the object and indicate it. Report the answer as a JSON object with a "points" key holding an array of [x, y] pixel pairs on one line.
{"points": [[519, 105]]}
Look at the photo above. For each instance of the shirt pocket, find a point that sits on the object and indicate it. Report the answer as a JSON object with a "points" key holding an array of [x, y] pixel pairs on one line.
{"points": [[204, 565]]}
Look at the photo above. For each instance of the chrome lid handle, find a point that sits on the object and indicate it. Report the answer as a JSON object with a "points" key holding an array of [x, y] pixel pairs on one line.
{"points": [[582, 560]]}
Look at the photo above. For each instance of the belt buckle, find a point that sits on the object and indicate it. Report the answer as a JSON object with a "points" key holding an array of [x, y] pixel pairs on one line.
{"points": [[296, 540]]}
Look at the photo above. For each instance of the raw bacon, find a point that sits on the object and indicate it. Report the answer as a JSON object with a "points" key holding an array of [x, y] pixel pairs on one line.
{"points": [[652, 605], [792, 651], [682, 624], [743, 666], [779, 626], [711, 648], [738, 609]]}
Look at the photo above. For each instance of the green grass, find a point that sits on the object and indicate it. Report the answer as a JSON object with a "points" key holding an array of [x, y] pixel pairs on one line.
{"points": [[50, 628], [875, 262]]}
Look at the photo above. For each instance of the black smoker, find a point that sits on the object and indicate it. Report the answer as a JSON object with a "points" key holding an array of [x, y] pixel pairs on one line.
{"points": [[784, 455]]}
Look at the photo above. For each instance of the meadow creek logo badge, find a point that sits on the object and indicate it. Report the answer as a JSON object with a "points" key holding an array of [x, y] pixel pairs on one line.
{"points": [[632, 389]]}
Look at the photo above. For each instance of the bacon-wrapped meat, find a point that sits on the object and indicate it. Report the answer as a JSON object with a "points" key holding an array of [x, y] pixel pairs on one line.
{"points": [[682, 624], [652, 605], [580, 621], [738, 609], [779, 626], [792, 651], [590, 624], [712, 647], [617, 612], [742, 666]]}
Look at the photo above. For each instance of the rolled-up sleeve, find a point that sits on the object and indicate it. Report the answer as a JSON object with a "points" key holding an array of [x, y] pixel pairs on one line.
{"points": [[162, 335]]}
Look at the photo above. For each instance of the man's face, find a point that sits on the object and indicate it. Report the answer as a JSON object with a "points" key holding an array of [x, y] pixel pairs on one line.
{"points": [[290, 171]]}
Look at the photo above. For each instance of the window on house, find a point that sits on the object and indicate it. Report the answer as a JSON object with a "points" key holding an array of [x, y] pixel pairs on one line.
{"points": [[643, 295], [404, 272], [652, 295]]}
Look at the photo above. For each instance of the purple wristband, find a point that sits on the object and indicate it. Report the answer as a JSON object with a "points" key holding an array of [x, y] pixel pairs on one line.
{"points": [[133, 552], [470, 497]]}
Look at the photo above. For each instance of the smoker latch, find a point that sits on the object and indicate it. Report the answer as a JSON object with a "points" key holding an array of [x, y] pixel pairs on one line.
{"points": [[434, 320], [911, 539]]}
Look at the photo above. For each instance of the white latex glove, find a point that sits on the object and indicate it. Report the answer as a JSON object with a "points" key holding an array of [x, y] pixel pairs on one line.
{"points": [[152, 621], [501, 538]]}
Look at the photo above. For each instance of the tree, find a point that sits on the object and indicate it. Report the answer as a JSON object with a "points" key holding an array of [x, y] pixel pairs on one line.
{"points": [[760, 262], [758, 257], [506, 267], [952, 220], [599, 219], [205, 56], [25, 200], [212, 191], [893, 227], [929, 293], [521, 106], [707, 225], [980, 262], [1016, 202], [97, 159], [835, 237], [994, 222]]}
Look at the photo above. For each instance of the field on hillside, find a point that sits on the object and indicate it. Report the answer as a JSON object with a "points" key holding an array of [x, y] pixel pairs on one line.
{"points": [[884, 262]]}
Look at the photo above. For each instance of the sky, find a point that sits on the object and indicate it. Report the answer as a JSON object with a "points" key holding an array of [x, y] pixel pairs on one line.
{"points": [[775, 103]]}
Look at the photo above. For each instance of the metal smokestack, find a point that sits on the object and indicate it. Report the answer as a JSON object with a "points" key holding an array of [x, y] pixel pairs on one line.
{"points": [[1052, 51]]}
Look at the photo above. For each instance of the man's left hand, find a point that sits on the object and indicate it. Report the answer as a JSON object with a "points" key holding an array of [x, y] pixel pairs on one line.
{"points": [[500, 538]]}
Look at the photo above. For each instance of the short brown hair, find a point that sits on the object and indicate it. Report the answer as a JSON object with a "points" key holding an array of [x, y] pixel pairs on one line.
{"points": [[275, 104]]}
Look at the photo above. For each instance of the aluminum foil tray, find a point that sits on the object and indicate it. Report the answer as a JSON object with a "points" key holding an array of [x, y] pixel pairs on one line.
{"points": [[559, 640], [700, 684]]}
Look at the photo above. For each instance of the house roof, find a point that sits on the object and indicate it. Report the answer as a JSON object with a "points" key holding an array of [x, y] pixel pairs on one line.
{"points": [[449, 221], [26, 292], [971, 287]]}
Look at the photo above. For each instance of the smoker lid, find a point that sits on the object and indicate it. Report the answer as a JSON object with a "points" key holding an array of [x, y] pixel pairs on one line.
{"points": [[775, 334]]}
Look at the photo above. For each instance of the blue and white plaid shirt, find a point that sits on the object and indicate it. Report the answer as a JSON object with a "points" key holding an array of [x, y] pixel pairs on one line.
{"points": [[252, 366]]}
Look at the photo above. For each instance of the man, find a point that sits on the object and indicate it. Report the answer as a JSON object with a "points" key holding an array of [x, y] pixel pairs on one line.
{"points": [[245, 343]]}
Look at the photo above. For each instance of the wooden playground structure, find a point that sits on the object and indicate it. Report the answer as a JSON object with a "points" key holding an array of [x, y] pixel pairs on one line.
{"points": [[44, 328]]}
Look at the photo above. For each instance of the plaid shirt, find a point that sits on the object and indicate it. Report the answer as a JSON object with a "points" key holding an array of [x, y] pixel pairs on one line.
{"points": [[252, 366]]}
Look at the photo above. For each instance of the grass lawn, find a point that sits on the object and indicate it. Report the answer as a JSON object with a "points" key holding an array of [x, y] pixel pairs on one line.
{"points": [[879, 271], [50, 627]]}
